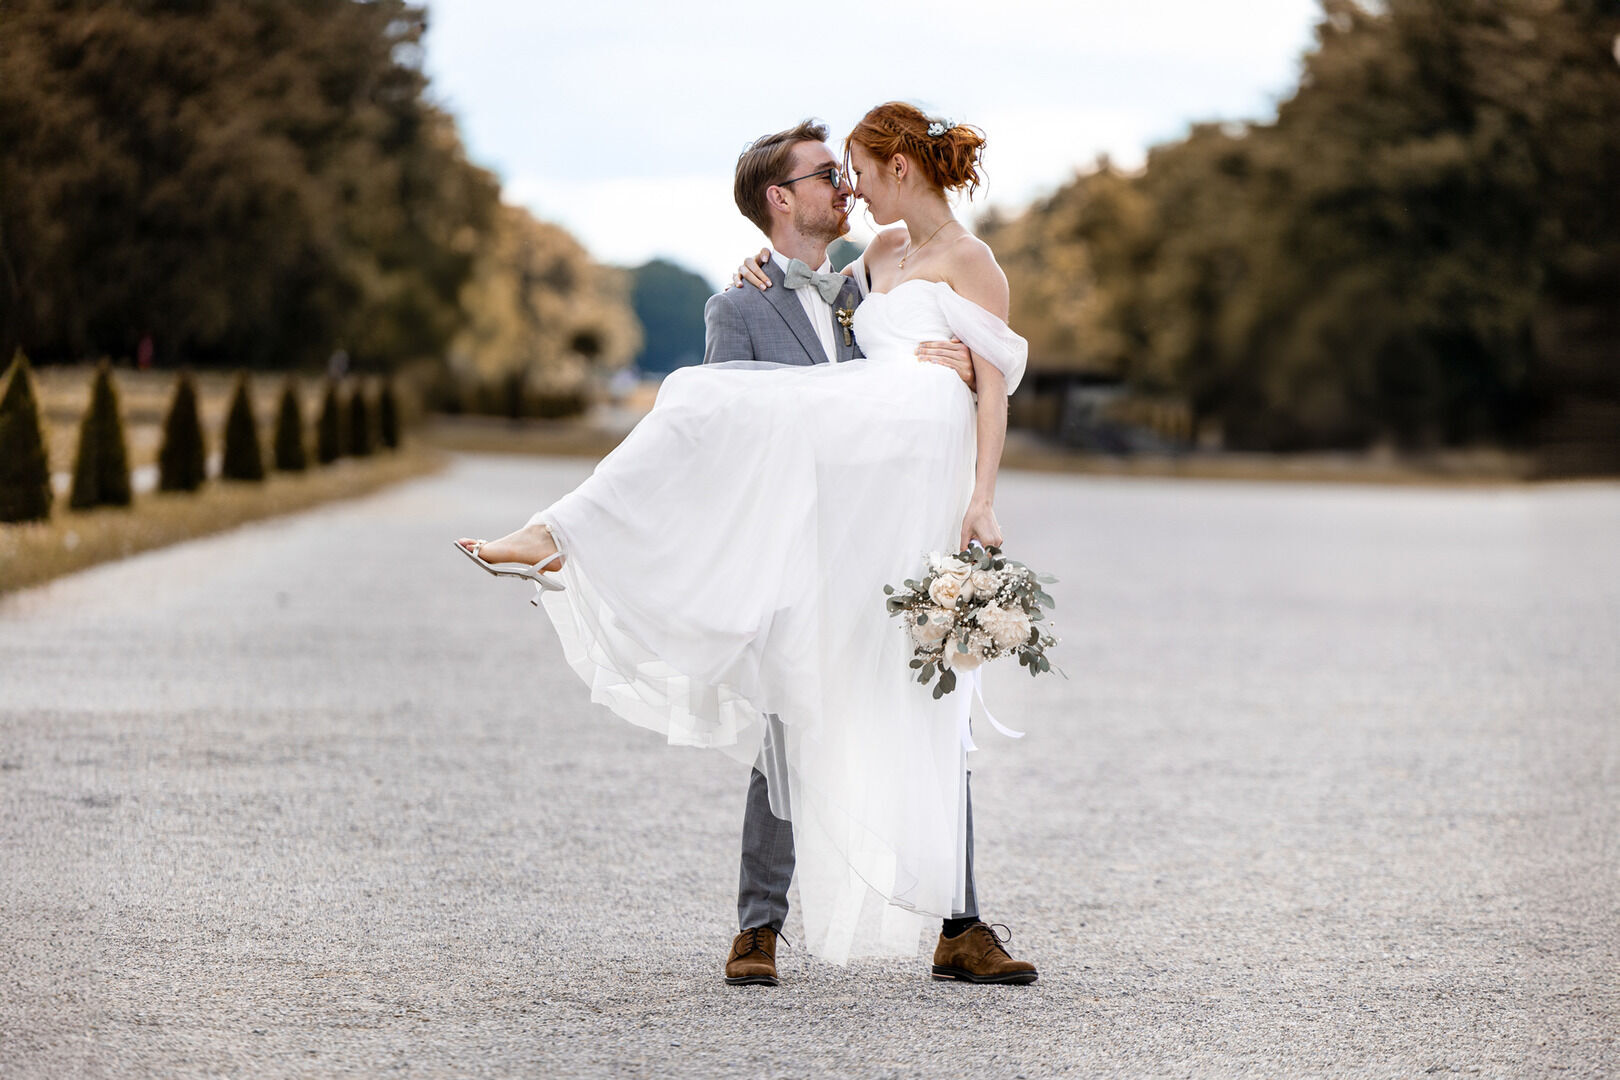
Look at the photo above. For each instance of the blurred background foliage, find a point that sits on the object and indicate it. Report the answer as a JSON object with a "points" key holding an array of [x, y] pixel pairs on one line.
{"points": [[1421, 251], [266, 183], [668, 300], [541, 316]]}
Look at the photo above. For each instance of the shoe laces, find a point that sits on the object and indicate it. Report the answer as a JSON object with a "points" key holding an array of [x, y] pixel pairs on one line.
{"points": [[994, 940], [750, 937]]}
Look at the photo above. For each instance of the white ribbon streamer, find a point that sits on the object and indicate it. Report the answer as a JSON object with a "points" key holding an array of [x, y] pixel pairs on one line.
{"points": [[975, 691]]}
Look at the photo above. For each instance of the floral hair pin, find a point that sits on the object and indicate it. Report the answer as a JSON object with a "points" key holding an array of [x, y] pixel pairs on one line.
{"points": [[936, 128]]}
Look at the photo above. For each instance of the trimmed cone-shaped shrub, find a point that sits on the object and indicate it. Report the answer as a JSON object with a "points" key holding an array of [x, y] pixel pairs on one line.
{"points": [[183, 461], [244, 457], [101, 472], [361, 442], [25, 471], [388, 415], [329, 429], [290, 455]]}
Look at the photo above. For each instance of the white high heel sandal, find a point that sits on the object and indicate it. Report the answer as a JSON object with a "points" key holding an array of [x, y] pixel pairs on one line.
{"points": [[518, 570]]}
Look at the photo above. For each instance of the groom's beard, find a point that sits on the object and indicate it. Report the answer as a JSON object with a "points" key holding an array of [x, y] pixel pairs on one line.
{"points": [[826, 225]]}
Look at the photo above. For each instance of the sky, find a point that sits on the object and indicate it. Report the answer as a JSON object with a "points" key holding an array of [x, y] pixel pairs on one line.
{"points": [[622, 119]]}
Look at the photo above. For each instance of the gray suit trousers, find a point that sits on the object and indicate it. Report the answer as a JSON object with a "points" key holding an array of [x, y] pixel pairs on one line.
{"points": [[767, 861]]}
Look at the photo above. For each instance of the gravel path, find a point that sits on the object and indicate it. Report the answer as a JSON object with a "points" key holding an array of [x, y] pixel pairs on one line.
{"points": [[1333, 789]]}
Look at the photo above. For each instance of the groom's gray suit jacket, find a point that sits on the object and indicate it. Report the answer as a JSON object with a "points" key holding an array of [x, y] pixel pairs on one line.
{"points": [[771, 327]]}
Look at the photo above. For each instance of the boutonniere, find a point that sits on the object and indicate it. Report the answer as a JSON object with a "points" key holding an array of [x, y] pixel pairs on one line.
{"points": [[846, 319]]}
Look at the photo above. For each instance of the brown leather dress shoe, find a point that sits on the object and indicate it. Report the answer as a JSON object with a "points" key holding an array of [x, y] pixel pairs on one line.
{"points": [[753, 958], [976, 955]]}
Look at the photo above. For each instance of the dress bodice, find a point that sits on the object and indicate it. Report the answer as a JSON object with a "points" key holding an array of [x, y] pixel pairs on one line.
{"points": [[889, 326]]}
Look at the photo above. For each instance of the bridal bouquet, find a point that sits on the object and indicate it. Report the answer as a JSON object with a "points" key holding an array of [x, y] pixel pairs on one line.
{"points": [[969, 607]]}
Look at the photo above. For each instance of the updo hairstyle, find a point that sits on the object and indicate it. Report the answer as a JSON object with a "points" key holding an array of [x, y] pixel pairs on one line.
{"points": [[950, 160]]}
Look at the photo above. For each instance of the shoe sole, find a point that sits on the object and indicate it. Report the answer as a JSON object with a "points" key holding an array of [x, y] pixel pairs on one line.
{"points": [[1017, 978], [751, 980]]}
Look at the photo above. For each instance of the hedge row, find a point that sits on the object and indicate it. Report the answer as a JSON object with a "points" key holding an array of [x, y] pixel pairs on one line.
{"points": [[349, 424]]}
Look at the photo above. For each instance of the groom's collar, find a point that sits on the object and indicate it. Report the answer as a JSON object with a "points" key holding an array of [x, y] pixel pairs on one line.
{"points": [[782, 260]]}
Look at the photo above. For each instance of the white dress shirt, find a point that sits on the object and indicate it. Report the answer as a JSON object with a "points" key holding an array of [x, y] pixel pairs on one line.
{"points": [[820, 312]]}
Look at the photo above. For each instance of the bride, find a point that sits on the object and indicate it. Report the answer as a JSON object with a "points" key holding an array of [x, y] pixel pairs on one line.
{"points": [[728, 559]]}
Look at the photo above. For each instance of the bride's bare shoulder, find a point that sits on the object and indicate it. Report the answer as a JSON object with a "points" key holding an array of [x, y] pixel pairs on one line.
{"points": [[972, 272]]}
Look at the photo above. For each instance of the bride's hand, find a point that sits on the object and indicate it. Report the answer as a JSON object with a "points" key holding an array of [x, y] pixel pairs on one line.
{"points": [[752, 272], [952, 354], [980, 524]]}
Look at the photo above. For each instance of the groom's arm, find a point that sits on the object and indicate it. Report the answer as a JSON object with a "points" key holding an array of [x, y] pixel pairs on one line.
{"points": [[725, 333]]}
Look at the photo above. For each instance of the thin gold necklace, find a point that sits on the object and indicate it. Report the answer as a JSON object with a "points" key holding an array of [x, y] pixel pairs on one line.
{"points": [[912, 251]]}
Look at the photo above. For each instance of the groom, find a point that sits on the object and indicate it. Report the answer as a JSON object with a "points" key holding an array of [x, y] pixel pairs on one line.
{"points": [[792, 187]]}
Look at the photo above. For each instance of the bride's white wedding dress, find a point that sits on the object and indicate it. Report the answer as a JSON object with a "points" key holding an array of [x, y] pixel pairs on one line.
{"points": [[728, 560]]}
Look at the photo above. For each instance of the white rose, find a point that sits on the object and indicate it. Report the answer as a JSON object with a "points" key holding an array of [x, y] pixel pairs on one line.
{"points": [[956, 658], [1007, 627], [932, 632], [947, 585]]}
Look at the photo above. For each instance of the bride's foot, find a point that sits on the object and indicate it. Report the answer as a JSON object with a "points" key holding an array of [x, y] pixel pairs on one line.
{"points": [[530, 545]]}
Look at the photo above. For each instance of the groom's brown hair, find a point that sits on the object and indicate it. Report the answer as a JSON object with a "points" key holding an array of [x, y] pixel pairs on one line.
{"points": [[766, 162]]}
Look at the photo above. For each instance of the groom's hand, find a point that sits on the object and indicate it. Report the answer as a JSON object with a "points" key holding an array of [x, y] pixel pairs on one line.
{"points": [[952, 354]]}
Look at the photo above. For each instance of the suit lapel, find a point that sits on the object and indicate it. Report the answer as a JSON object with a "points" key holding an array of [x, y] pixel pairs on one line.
{"points": [[787, 305], [848, 299]]}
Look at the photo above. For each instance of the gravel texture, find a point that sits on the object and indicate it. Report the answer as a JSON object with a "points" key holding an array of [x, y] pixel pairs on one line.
{"points": [[1332, 789]]}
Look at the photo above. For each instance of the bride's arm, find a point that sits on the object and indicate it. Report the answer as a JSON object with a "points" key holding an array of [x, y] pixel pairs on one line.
{"points": [[976, 277], [980, 521]]}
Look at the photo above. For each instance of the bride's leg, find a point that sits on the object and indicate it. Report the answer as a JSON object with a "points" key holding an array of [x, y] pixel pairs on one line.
{"points": [[531, 544]]}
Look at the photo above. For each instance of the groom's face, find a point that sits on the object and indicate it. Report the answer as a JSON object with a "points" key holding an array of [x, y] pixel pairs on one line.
{"points": [[820, 210]]}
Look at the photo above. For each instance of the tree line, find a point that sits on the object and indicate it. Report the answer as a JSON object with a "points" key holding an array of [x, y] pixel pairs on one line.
{"points": [[263, 184], [1421, 250]]}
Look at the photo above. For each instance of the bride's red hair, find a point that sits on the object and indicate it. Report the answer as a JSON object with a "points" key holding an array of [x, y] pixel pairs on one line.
{"points": [[950, 160]]}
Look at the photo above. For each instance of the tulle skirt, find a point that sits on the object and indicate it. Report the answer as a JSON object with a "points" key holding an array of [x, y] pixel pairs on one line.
{"points": [[728, 561]]}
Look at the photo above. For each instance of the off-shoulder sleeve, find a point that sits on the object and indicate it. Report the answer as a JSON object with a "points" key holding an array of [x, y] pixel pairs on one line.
{"points": [[986, 335], [857, 270]]}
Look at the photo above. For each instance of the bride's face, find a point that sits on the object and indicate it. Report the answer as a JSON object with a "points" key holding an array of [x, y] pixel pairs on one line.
{"points": [[874, 186]]}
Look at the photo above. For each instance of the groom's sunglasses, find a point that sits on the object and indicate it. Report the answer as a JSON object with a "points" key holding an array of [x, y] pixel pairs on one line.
{"points": [[835, 176]]}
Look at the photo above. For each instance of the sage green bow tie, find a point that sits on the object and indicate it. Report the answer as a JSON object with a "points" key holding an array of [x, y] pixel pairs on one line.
{"points": [[799, 275]]}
